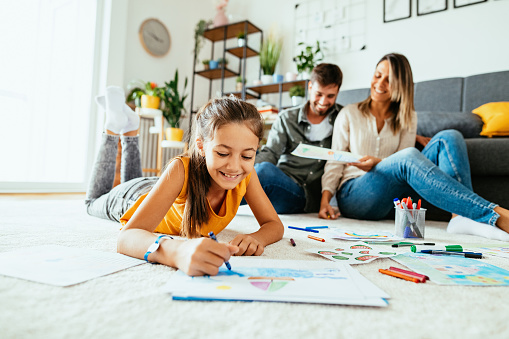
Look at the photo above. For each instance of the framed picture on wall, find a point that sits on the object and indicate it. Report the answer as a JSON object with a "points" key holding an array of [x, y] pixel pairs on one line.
{"points": [[463, 3], [430, 6], [397, 10]]}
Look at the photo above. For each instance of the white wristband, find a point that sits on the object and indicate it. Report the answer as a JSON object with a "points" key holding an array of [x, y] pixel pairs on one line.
{"points": [[152, 248]]}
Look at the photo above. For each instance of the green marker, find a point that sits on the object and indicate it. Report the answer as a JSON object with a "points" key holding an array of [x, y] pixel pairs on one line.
{"points": [[449, 248]]}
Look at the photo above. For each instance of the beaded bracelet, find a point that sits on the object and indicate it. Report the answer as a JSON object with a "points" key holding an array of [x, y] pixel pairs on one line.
{"points": [[152, 248]]}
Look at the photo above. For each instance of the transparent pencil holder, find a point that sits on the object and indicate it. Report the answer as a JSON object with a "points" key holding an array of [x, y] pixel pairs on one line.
{"points": [[410, 223]]}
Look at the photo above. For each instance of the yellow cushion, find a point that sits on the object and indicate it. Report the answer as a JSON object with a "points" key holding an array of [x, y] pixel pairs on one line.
{"points": [[495, 116]]}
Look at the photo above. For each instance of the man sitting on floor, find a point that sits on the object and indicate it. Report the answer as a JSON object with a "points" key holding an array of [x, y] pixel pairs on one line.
{"points": [[293, 184]]}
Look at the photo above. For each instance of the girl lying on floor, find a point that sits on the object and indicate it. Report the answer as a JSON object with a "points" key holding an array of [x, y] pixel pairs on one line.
{"points": [[198, 192]]}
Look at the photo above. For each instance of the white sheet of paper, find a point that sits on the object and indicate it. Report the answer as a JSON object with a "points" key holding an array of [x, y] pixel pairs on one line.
{"points": [[335, 233], [315, 152], [280, 280], [62, 266]]}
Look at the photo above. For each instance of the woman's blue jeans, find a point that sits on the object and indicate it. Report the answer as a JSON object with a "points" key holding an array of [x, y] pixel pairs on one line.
{"points": [[440, 175]]}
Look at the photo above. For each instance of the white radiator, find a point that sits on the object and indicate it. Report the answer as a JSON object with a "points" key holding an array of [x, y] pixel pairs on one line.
{"points": [[148, 148]]}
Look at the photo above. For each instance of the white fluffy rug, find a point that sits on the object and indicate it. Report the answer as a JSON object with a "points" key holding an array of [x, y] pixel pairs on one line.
{"points": [[131, 303]]}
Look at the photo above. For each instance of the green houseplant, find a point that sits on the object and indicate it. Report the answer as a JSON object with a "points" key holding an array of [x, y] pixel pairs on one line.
{"points": [[205, 63], [144, 94], [173, 102], [308, 57], [270, 52], [297, 91]]}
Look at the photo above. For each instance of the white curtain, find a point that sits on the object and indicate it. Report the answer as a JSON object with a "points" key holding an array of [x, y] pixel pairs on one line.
{"points": [[46, 77]]}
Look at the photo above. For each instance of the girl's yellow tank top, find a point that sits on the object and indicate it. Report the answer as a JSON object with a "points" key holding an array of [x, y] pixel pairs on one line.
{"points": [[172, 221]]}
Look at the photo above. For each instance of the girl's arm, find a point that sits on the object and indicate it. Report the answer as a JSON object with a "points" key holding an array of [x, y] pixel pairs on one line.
{"points": [[271, 228], [194, 257]]}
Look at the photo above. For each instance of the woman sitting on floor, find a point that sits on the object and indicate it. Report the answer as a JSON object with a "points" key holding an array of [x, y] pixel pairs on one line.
{"points": [[383, 127]]}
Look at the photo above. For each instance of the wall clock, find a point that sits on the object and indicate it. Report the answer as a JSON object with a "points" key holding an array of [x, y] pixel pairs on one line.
{"points": [[154, 37]]}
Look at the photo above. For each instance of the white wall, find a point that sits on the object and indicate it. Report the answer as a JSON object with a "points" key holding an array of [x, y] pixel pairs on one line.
{"points": [[455, 42]]}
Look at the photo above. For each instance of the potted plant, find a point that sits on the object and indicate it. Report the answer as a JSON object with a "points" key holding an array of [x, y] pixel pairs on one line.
{"points": [[205, 63], [222, 62], [145, 94], [239, 83], [200, 28], [297, 93], [241, 39], [270, 52], [173, 106], [307, 59]]}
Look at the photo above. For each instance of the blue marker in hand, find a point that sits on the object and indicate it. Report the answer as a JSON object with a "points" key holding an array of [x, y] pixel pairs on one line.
{"points": [[213, 237]]}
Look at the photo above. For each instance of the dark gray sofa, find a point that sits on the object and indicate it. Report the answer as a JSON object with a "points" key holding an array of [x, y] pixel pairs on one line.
{"points": [[447, 104]]}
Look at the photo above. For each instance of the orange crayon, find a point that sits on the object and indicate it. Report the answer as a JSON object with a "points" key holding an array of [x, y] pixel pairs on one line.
{"points": [[316, 238]]}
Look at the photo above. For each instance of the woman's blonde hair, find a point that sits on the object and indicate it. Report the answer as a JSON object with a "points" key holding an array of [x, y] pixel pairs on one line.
{"points": [[402, 92], [213, 115]]}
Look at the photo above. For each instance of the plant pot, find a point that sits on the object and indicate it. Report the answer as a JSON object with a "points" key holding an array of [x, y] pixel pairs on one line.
{"points": [[241, 42], [150, 101], [296, 101], [174, 134], [206, 66], [238, 86], [266, 79], [213, 64]]}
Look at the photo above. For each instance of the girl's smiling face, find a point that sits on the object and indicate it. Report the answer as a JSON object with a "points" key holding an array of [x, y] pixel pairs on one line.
{"points": [[230, 155]]}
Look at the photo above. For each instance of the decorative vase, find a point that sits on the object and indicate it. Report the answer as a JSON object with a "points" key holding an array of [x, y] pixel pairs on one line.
{"points": [[238, 86], [241, 42], [290, 76], [277, 77], [174, 134], [150, 101], [304, 75], [220, 19]]}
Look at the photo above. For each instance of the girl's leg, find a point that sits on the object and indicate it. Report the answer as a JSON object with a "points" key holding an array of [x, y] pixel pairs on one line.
{"points": [[131, 159], [371, 195], [447, 150], [103, 172]]}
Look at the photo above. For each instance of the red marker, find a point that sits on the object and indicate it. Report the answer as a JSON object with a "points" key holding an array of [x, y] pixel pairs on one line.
{"points": [[419, 204]]}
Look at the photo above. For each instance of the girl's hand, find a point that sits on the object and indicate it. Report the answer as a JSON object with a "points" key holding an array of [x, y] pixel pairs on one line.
{"points": [[422, 140], [202, 256], [327, 211], [247, 245], [366, 163]]}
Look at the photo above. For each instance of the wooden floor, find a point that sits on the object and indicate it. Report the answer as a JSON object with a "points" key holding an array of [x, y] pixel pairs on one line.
{"points": [[42, 196]]}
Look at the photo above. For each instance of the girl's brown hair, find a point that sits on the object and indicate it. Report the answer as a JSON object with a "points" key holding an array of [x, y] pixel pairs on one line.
{"points": [[402, 92], [213, 115]]}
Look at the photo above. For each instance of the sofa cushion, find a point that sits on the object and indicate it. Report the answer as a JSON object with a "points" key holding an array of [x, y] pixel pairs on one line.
{"points": [[495, 116], [352, 96], [483, 88], [443, 95], [430, 123]]}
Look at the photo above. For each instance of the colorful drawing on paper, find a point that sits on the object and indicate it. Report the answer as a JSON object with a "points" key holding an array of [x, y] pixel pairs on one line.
{"points": [[356, 253], [315, 152], [367, 236], [449, 270], [338, 285]]}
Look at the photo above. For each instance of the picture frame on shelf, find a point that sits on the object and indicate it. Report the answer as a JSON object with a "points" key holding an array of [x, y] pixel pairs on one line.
{"points": [[395, 10], [463, 3], [430, 6]]}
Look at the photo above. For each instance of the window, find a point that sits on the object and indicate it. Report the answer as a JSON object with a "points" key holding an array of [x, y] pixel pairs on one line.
{"points": [[46, 78]]}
